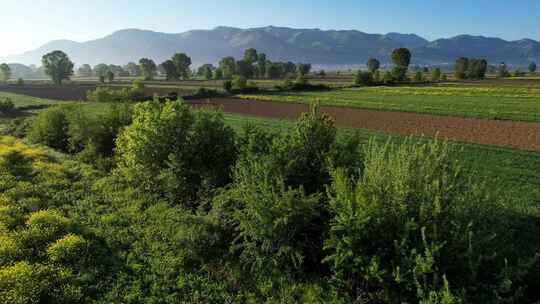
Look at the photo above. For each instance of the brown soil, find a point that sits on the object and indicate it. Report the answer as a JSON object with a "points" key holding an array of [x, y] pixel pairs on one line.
{"points": [[512, 134]]}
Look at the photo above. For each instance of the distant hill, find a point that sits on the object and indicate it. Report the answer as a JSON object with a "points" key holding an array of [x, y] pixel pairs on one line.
{"points": [[320, 47]]}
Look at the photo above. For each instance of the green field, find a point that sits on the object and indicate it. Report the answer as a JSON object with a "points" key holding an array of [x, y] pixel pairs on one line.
{"points": [[505, 102]]}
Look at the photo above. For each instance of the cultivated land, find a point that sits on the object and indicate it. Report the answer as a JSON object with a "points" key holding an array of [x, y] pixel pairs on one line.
{"points": [[517, 102], [513, 134]]}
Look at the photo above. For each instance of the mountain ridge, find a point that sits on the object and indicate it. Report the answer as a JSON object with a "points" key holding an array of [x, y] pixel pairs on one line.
{"points": [[319, 47]]}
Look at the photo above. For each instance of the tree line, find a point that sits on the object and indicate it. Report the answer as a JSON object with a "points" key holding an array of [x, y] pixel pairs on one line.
{"points": [[59, 67]]}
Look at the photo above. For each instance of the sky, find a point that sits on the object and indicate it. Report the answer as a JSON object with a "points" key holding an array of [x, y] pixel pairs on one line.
{"points": [[28, 24]]}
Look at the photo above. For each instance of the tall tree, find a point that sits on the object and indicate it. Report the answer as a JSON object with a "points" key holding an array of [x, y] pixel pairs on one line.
{"points": [[228, 67], [303, 69], [206, 71], [5, 72], [101, 69], [436, 74], [373, 65], [110, 76], [171, 72], [274, 70], [182, 63], [401, 57], [218, 74], [532, 67], [261, 65], [244, 69], [502, 70], [148, 68], [133, 69], [85, 70], [58, 66], [461, 67], [477, 68], [250, 56]]}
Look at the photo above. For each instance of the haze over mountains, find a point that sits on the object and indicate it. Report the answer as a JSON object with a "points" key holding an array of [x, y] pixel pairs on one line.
{"points": [[319, 47]]}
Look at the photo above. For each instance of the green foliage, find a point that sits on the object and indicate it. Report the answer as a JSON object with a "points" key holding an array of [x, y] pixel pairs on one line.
{"points": [[419, 77], [148, 68], [67, 249], [276, 224], [400, 227], [502, 71], [110, 76], [532, 67], [50, 128], [436, 74], [303, 69], [182, 62], [39, 262], [105, 94], [250, 56], [171, 72], [218, 74], [461, 67], [373, 65], [477, 68], [399, 73], [228, 67], [7, 107], [23, 283], [401, 57], [160, 151], [244, 69], [518, 73], [388, 78], [5, 72], [70, 128], [363, 78], [58, 66]]}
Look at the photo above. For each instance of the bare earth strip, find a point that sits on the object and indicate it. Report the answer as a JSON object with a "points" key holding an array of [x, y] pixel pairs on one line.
{"points": [[511, 134]]}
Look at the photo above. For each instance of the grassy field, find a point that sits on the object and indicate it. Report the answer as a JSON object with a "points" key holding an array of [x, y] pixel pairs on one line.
{"points": [[505, 102], [514, 172]]}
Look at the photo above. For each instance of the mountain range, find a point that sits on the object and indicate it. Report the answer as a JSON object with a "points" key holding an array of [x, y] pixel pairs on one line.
{"points": [[319, 47]]}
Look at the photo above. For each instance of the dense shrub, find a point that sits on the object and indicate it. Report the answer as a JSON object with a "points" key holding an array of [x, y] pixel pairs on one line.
{"points": [[105, 94], [161, 151], [410, 228], [72, 129], [39, 262], [50, 128], [363, 78], [7, 107], [301, 84]]}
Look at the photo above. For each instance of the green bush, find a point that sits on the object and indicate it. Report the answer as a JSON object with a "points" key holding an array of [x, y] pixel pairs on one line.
{"points": [[363, 78], [50, 128], [68, 249], [7, 107], [161, 150], [411, 228]]}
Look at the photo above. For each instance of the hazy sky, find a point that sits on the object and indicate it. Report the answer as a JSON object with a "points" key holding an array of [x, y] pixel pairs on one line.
{"points": [[27, 24]]}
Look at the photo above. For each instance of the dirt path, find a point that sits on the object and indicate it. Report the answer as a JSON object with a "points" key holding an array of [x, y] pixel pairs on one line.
{"points": [[512, 134]]}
